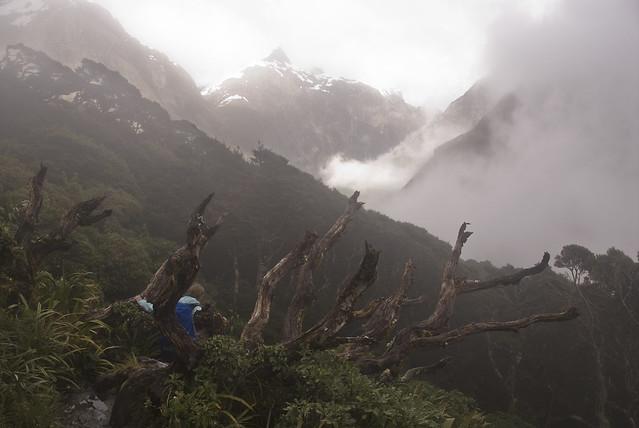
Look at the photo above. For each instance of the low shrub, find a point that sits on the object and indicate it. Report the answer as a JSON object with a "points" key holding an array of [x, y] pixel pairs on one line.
{"points": [[263, 387]]}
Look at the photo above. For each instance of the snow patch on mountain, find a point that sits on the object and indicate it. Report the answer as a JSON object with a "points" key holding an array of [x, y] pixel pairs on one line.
{"points": [[136, 127], [232, 98], [70, 97], [25, 68]]}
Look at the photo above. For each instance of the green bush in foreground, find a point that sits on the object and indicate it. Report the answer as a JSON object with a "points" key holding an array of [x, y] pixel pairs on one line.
{"points": [[234, 387], [44, 352]]}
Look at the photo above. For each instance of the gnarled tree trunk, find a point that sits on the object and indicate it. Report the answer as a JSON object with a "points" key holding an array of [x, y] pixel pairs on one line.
{"points": [[262, 310], [302, 277], [174, 277], [38, 247]]}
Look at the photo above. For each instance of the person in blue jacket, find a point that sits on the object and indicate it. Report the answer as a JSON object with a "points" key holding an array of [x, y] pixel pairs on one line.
{"points": [[185, 310]]}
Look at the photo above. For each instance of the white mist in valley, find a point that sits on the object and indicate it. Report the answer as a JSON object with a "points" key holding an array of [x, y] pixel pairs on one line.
{"points": [[562, 167]]}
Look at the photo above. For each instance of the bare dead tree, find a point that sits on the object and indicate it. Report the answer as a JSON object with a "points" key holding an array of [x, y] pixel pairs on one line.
{"points": [[434, 331], [302, 277], [174, 277], [379, 318], [58, 240], [38, 247]]}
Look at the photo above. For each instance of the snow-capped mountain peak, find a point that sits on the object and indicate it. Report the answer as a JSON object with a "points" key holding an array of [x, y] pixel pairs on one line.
{"points": [[274, 71], [278, 55], [308, 116]]}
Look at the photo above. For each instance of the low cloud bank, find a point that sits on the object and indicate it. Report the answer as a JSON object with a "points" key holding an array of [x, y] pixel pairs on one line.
{"points": [[392, 170], [565, 168]]}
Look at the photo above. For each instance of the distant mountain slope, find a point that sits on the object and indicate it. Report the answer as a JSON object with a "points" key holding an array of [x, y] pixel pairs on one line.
{"points": [[309, 117], [384, 175], [305, 117], [71, 30], [98, 134], [465, 111], [485, 123]]}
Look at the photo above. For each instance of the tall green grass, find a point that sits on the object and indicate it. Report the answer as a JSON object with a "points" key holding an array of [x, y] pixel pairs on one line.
{"points": [[44, 351]]}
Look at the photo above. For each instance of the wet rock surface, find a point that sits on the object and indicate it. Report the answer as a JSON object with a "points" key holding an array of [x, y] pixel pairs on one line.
{"points": [[85, 409]]}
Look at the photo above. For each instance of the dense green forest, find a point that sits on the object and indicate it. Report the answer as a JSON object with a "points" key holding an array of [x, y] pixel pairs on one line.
{"points": [[104, 139]]}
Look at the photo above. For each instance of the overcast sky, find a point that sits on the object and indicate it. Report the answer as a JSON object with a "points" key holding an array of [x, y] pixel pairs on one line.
{"points": [[429, 50]]}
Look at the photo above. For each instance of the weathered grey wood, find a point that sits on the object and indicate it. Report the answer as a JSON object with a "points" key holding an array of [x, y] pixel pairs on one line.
{"points": [[433, 331], [302, 278], [324, 332], [37, 247], [253, 329], [420, 372]]}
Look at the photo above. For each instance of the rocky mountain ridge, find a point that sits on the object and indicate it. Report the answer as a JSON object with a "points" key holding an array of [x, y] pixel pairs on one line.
{"points": [[309, 116], [70, 31]]}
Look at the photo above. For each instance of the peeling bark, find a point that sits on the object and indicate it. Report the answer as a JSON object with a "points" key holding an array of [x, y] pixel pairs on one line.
{"points": [[385, 317], [448, 291], [368, 310], [381, 316]]}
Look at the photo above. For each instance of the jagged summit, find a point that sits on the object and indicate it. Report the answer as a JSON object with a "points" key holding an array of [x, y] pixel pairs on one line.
{"points": [[278, 55], [308, 117]]}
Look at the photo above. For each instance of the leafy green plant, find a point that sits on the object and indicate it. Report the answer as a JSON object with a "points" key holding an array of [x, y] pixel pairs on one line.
{"points": [[73, 294], [202, 407], [42, 352], [319, 389], [133, 333], [336, 394]]}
